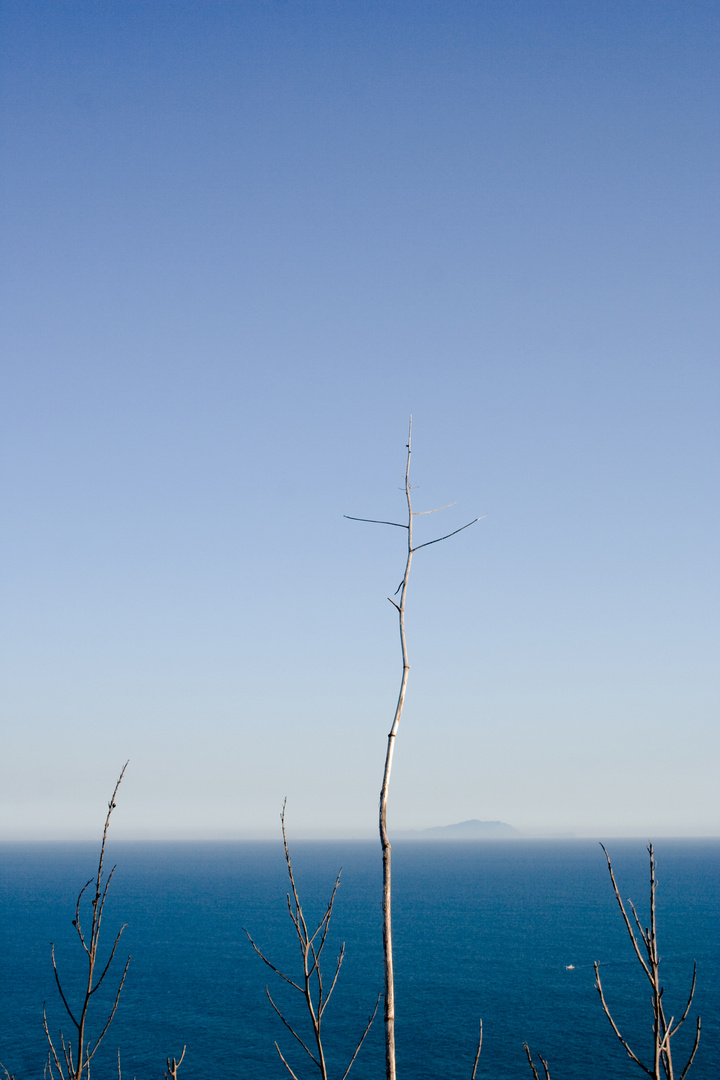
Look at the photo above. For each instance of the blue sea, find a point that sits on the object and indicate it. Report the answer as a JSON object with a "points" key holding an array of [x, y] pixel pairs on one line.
{"points": [[506, 931]]}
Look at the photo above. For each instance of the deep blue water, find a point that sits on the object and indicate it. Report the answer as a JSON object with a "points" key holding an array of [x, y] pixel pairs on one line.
{"points": [[481, 930]]}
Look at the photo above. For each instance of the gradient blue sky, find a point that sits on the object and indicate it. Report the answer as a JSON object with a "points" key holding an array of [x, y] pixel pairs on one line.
{"points": [[243, 241]]}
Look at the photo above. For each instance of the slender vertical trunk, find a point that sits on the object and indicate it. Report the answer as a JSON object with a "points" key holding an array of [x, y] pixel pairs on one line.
{"points": [[399, 605], [390, 1071]]}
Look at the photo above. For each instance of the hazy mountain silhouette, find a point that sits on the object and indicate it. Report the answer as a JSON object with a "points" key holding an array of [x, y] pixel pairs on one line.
{"points": [[463, 830]]}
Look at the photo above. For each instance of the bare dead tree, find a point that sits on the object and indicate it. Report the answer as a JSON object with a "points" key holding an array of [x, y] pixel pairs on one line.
{"points": [[649, 958], [72, 1058], [543, 1062], [399, 605], [173, 1066], [646, 951], [477, 1054], [311, 985]]}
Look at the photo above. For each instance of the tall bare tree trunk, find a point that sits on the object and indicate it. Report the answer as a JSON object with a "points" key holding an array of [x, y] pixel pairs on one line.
{"points": [[390, 1071], [399, 605]]}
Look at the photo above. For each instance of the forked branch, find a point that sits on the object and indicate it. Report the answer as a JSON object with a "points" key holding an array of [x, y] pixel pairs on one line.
{"points": [[663, 1030], [542, 1060], [173, 1065], [310, 984], [72, 1060]]}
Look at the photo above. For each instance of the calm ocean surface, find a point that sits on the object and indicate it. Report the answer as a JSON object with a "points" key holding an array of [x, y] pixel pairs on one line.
{"points": [[482, 929]]}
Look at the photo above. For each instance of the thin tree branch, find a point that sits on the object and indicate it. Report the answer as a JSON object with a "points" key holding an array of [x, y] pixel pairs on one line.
{"points": [[285, 1062], [683, 1018], [324, 923], [419, 513], [298, 908], [448, 535], [693, 1052], [643, 931], [333, 983], [53, 1051], [626, 920], [76, 922], [362, 1038], [374, 521], [635, 1058], [67, 1052], [531, 1062], [112, 954], [291, 1029], [112, 1014], [477, 1053], [59, 986], [271, 965]]}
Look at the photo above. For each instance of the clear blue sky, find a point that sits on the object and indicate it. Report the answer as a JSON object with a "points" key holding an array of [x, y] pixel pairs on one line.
{"points": [[243, 241]]}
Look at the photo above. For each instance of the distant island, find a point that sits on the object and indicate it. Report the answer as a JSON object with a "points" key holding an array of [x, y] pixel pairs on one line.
{"points": [[463, 830]]}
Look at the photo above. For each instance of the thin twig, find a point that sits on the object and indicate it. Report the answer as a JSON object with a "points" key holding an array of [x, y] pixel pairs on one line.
{"points": [[374, 521], [419, 513], [59, 986], [477, 1053], [334, 982], [448, 535], [277, 971], [625, 917], [683, 1018], [285, 1062], [599, 988], [531, 1062], [113, 1011], [53, 1051], [110, 960], [694, 1050], [362, 1037], [291, 1029]]}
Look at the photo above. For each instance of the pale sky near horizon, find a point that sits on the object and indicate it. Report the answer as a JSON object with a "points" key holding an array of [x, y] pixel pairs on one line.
{"points": [[242, 242]]}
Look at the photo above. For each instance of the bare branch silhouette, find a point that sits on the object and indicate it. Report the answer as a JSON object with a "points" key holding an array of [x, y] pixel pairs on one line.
{"points": [[477, 1053], [448, 535], [390, 1064], [436, 510], [173, 1066], [374, 521], [78, 1053], [311, 985], [544, 1063], [663, 1030]]}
